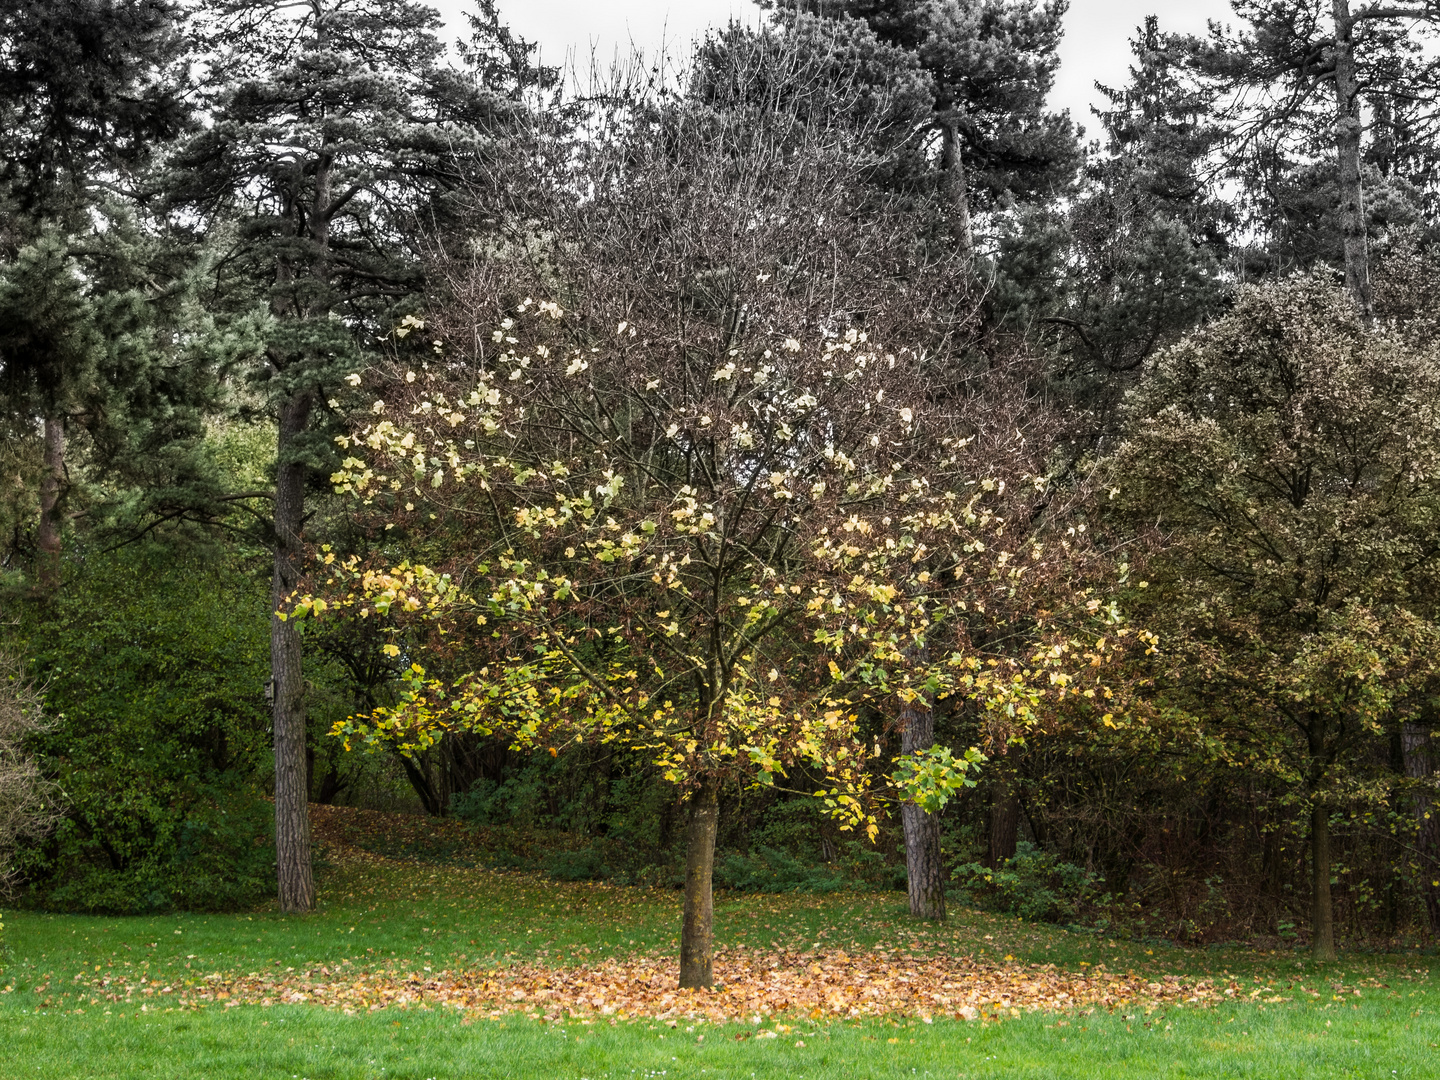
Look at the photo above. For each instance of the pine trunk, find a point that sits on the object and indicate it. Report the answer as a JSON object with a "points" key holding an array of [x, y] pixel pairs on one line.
{"points": [[52, 484], [1348, 129], [1415, 748], [697, 933], [1322, 915], [924, 872], [952, 164], [292, 813]]}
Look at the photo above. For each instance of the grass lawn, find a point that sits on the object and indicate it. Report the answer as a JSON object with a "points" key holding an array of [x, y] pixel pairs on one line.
{"points": [[63, 1012]]}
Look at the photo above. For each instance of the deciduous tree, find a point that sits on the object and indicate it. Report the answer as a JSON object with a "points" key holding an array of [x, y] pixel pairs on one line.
{"points": [[718, 561], [1288, 456]]}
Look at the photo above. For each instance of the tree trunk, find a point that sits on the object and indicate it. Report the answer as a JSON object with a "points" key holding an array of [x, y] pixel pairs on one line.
{"points": [[1004, 820], [52, 484], [1415, 749], [1322, 915], [419, 776], [292, 813], [924, 872], [1347, 151], [952, 164], [697, 933]]}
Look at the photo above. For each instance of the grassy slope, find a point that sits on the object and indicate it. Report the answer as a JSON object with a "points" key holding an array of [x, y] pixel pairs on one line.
{"points": [[407, 917]]}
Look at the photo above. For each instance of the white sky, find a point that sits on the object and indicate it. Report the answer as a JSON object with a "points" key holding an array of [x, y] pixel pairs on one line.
{"points": [[1095, 45]]}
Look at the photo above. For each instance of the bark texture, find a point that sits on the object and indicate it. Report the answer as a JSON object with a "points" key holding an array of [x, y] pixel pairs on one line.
{"points": [[1348, 129], [1322, 914], [52, 486], [924, 872], [1004, 820], [952, 164], [1419, 765], [697, 933], [292, 812]]}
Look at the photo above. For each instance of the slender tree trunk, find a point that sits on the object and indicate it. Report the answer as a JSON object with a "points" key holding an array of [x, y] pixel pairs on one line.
{"points": [[1347, 150], [952, 164], [1415, 749], [924, 872], [1004, 819], [292, 812], [1322, 914], [697, 933], [52, 484]]}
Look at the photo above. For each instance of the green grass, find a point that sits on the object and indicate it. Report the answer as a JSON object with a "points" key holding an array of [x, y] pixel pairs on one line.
{"points": [[408, 917], [1378, 1039]]}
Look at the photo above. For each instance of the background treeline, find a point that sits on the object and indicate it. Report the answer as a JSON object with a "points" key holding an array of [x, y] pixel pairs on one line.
{"points": [[1205, 322]]}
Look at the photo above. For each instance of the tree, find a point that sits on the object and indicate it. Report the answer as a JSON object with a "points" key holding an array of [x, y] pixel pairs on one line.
{"points": [[1137, 258], [717, 561], [991, 64], [50, 350], [88, 91], [1299, 53], [829, 75], [336, 131], [1287, 454]]}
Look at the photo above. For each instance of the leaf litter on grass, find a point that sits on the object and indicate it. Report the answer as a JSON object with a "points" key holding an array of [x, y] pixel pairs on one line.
{"points": [[815, 984]]}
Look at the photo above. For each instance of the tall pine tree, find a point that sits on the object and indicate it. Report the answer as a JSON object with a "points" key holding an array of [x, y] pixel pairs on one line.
{"points": [[337, 135], [1299, 74], [991, 65], [88, 90]]}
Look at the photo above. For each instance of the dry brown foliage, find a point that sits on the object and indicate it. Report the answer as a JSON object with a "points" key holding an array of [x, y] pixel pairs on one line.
{"points": [[28, 802]]}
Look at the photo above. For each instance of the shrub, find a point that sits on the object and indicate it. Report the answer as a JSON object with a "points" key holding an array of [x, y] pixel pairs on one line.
{"points": [[155, 670], [27, 800], [1034, 885], [587, 864], [215, 853], [770, 870]]}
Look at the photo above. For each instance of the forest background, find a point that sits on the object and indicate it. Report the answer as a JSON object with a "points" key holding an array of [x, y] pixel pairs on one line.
{"points": [[807, 465]]}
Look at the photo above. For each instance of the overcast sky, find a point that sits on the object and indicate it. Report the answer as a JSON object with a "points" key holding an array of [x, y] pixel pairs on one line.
{"points": [[1096, 31]]}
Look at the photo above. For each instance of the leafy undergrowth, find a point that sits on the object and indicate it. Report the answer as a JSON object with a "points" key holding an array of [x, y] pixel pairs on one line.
{"points": [[345, 835]]}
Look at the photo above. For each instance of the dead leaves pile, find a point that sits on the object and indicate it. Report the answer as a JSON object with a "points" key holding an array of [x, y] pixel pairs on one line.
{"points": [[814, 984]]}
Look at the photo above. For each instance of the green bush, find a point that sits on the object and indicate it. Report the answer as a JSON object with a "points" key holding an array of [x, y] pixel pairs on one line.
{"points": [[1033, 884], [215, 853], [770, 870], [154, 670]]}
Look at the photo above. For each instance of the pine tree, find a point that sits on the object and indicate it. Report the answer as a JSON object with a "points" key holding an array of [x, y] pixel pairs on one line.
{"points": [[991, 64], [50, 350], [1298, 78], [337, 133], [88, 90], [1138, 257]]}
